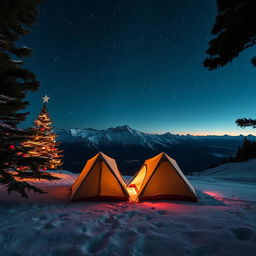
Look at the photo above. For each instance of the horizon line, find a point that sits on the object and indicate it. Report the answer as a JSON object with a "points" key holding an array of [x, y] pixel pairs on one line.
{"points": [[205, 133], [220, 133]]}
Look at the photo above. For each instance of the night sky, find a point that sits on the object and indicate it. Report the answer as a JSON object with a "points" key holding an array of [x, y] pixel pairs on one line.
{"points": [[138, 62]]}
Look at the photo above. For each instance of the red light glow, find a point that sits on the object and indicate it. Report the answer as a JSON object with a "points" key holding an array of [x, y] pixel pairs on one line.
{"points": [[213, 194]]}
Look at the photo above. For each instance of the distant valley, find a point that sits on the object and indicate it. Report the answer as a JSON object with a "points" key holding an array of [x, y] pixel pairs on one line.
{"points": [[131, 147]]}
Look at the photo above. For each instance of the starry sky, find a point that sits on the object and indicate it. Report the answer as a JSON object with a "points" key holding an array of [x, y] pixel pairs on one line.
{"points": [[106, 63]]}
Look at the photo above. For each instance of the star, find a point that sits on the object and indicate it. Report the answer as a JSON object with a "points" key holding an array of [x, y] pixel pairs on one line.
{"points": [[45, 98]]}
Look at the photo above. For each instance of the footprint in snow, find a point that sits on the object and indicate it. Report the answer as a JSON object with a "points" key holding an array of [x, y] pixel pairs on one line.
{"points": [[43, 217], [118, 216], [49, 226], [130, 214], [67, 252], [84, 229], [162, 212], [54, 224], [149, 218], [242, 233], [97, 243], [99, 211], [105, 219], [40, 218], [142, 230], [63, 215], [158, 224]]}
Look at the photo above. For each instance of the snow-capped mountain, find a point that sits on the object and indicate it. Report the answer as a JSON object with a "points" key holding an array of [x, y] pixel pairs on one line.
{"points": [[125, 135], [131, 147]]}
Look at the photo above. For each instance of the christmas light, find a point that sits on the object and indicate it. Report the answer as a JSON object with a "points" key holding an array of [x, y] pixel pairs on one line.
{"points": [[11, 147], [43, 143]]}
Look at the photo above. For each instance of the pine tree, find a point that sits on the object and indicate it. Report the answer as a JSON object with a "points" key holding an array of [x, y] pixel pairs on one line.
{"points": [[16, 16], [234, 29], [245, 152], [43, 144]]}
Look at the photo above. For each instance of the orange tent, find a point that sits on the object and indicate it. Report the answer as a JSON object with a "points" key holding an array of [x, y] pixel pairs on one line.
{"points": [[161, 178], [100, 180]]}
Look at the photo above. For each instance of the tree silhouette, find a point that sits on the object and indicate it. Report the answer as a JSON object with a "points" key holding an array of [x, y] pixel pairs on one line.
{"points": [[16, 17], [244, 122], [235, 31]]}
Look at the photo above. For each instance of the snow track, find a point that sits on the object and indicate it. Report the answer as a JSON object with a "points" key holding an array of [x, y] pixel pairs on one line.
{"points": [[223, 223]]}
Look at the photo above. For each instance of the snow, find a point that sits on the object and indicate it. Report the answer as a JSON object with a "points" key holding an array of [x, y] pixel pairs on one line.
{"points": [[118, 135], [6, 98], [223, 223], [17, 61], [128, 136], [243, 171], [8, 127]]}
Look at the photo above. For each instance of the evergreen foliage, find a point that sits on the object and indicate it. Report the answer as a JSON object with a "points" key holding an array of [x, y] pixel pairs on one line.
{"points": [[245, 122], [16, 17], [245, 152], [235, 31], [43, 143]]}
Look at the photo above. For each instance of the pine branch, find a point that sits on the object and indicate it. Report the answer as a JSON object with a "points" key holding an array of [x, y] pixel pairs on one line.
{"points": [[246, 122], [234, 31], [23, 187], [18, 186], [35, 175]]}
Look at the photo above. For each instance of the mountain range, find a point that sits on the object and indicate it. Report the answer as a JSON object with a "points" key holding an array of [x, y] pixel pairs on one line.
{"points": [[131, 147]]}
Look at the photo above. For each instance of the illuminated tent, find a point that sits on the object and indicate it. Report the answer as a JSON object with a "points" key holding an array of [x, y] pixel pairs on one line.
{"points": [[161, 178], [100, 180]]}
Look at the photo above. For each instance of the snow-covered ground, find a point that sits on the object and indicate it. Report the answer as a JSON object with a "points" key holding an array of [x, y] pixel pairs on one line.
{"points": [[223, 223]]}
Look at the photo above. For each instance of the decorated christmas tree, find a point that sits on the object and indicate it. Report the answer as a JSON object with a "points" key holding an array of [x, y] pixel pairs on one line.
{"points": [[43, 144]]}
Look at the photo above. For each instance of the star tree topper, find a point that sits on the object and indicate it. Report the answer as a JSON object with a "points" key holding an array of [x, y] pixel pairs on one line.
{"points": [[46, 98]]}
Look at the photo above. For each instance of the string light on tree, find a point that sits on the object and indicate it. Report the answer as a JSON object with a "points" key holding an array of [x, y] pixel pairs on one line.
{"points": [[44, 144]]}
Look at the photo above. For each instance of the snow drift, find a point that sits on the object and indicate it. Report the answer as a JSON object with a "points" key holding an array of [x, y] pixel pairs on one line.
{"points": [[223, 223]]}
